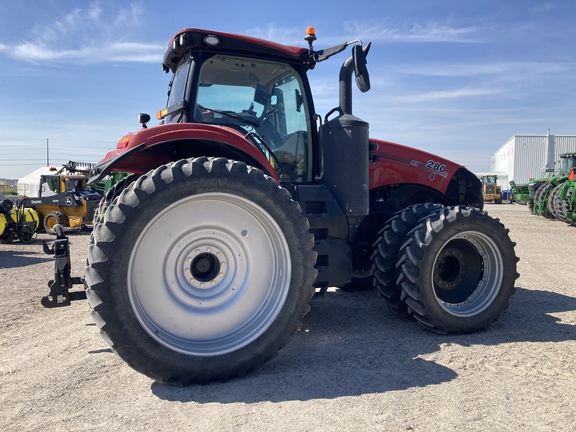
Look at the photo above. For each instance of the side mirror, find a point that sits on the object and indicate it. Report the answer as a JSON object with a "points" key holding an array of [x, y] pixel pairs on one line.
{"points": [[360, 69], [299, 100]]}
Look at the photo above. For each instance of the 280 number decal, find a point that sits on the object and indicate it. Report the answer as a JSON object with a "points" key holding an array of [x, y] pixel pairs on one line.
{"points": [[435, 166], [437, 169]]}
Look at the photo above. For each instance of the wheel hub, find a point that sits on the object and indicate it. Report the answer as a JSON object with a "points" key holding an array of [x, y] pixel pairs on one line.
{"points": [[206, 267], [457, 271], [450, 269], [204, 273]]}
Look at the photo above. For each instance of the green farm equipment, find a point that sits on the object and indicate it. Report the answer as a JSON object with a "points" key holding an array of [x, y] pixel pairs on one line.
{"points": [[564, 199], [546, 192], [521, 193], [110, 180]]}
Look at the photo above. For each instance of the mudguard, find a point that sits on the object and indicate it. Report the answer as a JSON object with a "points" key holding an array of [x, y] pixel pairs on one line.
{"points": [[148, 148]]}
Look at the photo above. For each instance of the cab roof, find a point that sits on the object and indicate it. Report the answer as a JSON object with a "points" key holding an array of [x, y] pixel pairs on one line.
{"points": [[189, 39]]}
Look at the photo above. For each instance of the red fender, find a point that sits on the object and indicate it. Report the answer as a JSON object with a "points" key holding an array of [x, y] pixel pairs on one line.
{"points": [[151, 139]]}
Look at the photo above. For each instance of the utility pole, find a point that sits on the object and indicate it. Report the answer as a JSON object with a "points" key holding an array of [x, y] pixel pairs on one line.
{"points": [[47, 153]]}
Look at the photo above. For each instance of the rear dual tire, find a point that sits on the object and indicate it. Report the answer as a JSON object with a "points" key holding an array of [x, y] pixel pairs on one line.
{"points": [[456, 270], [386, 250]]}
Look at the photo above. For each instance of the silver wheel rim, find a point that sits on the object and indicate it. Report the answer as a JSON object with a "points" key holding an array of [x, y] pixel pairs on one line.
{"points": [[468, 274], [209, 274]]}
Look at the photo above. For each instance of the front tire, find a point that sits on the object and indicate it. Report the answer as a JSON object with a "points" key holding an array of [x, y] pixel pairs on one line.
{"points": [[54, 218], [200, 270], [459, 270]]}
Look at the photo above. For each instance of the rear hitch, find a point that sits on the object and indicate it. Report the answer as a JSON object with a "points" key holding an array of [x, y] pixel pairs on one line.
{"points": [[59, 295]]}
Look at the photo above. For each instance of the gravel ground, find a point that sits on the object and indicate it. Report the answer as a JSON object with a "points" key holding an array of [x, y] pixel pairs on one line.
{"points": [[353, 366]]}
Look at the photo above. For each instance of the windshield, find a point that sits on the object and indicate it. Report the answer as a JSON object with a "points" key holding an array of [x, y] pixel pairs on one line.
{"points": [[264, 99], [568, 162]]}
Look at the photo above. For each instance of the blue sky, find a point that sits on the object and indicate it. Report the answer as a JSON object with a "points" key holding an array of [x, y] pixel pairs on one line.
{"points": [[454, 77]]}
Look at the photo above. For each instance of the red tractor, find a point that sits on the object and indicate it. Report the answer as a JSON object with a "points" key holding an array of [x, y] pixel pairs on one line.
{"points": [[244, 201]]}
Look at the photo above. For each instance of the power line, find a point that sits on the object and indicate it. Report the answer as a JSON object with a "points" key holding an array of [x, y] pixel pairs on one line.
{"points": [[27, 164]]}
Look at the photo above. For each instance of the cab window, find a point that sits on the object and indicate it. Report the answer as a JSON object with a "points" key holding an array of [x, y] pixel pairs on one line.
{"points": [[176, 92], [265, 99]]}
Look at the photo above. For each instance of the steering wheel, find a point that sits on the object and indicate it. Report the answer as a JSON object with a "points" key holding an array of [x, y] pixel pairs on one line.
{"points": [[267, 113]]}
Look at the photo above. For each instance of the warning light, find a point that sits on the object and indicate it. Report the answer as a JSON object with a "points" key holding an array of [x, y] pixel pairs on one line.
{"points": [[161, 114], [124, 141], [310, 34]]}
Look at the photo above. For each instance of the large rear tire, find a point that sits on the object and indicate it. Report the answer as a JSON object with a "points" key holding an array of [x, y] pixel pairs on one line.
{"points": [[459, 270], [558, 204], [541, 199], [554, 203], [567, 207], [385, 256], [200, 270]]}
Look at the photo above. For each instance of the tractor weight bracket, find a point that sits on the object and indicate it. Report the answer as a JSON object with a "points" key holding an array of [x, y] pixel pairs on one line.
{"points": [[59, 295]]}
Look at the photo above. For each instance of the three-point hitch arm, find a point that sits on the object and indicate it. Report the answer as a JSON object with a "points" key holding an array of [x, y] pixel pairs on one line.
{"points": [[59, 295]]}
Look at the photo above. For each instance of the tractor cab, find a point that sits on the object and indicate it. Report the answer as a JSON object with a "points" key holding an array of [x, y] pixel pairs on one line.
{"points": [[568, 163], [263, 99], [49, 185], [259, 89]]}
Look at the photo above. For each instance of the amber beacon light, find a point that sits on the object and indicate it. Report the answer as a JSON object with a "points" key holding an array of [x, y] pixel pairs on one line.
{"points": [[310, 34]]}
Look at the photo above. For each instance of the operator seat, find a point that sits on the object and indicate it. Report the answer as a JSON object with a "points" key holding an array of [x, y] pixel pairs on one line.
{"points": [[293, 157]]}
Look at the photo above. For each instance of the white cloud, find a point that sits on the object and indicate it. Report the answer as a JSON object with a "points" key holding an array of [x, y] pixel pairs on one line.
{"points": [[543, 7], [130, 15], [504, 68], [95, 11], [462, 93], [416, 32], [279, 34], [96, 33], [384, 32], [112, 52]]}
